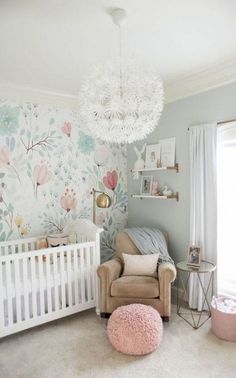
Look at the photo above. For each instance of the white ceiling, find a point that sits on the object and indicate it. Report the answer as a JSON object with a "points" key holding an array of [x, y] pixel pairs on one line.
{"points": [[50, 44]]}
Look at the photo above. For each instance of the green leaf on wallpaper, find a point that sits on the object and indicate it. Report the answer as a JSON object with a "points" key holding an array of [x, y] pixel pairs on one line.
{"points": [[3, 236], [10, 208], [29, 174], [22, 132], [28, 134], [41, 153], [1, 226], [9, 234], [95, 168], [101, 186], [110, 221], [2, 175], [52, 120], [12, 144]]}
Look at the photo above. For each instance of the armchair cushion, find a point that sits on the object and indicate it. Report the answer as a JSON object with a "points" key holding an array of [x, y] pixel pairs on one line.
{"points": [[135, 287], [140, 265]]}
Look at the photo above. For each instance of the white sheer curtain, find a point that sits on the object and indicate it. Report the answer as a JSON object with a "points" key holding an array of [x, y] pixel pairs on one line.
{"points": [[226, 135], [203, 199]]}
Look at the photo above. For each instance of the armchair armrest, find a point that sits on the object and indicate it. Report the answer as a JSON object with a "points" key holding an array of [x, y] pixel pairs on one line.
{"points": [[166, 271], [108, 272], [166, 274]]}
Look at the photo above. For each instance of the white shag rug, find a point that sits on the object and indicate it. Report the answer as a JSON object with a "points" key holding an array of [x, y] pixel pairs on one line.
{"points": [[78, 347]]}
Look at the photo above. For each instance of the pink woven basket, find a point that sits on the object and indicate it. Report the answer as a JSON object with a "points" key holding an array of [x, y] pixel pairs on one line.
{"points": [[223, 324]]}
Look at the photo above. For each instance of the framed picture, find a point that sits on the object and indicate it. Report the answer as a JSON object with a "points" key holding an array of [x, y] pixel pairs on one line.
{"points": [[167, 152], [146, 185], [153, 156], [194, 256]]}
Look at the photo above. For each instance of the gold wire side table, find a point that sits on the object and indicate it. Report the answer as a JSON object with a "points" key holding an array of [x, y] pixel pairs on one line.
{"points": [[196, 318]]}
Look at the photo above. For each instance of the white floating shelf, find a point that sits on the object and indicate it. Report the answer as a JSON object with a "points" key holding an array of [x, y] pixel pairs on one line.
{"points": [[141, 196], [176, 168]]}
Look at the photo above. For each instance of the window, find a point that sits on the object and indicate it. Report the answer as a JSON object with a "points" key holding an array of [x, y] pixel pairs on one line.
{"points": [[226, 197]]}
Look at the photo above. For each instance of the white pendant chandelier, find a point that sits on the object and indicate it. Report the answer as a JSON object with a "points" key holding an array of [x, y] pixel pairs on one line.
{"points": [[121, 102]]}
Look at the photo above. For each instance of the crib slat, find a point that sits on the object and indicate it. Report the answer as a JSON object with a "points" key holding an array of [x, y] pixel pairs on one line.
{"points": [[69, 277], [9, 293], [76, 274], [41, 287], [19, 248], [49, 296], [17, 290], [33, 285], [62, 280], [56, 301], [26, 289], [82, 285], [88, 269]]}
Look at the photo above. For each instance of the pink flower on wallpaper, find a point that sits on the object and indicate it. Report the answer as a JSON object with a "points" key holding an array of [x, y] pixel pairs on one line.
{"points": [[4, 156], [110, 180], [66, 129], [100, 219], [69, 201], [41, 174]]}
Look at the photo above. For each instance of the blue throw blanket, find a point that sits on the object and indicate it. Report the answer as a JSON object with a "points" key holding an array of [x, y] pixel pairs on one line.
{"points": [[149, 241]]}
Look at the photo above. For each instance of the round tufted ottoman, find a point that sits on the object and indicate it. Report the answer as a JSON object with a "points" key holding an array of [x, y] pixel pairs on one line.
{"points": [[135, 329]]}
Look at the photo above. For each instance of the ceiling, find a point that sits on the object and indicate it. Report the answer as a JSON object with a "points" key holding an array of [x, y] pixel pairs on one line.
{"points": [[51, 44]]}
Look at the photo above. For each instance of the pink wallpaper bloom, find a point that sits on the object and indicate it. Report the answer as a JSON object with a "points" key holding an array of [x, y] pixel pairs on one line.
{"points": [[110, 180], [41, 174], [69, 201], [4, 157], [66, 129]]}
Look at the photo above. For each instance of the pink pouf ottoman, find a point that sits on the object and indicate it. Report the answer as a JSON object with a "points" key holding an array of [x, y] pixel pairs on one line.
{"points": [[135, 329]]}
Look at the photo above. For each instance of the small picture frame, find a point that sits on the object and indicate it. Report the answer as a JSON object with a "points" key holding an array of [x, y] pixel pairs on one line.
{"points": [[146, 185], [153, 156], [194, 256], [167, 152]]}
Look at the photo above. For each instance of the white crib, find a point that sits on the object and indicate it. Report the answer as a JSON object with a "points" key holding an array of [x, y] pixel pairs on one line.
{"points": [[37, 286]]}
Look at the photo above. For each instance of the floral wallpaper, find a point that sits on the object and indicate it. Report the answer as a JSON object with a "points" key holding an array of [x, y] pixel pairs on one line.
{"points": [[48, 166]]}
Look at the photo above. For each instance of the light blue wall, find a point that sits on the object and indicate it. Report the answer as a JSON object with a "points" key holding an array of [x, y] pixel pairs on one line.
{"points": [[172, 216]]}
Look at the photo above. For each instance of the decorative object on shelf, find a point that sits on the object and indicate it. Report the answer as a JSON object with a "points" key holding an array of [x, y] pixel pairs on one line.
{"points": [[194, 256], [146, 185], [166, 192], [57, 240], [121, 102], [154, 190], [153, 156], [139, 164], [167, 152], [102, 201]]}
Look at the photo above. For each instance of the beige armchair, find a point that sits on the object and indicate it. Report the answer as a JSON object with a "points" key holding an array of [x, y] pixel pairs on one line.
{"points": [[117, 290]]}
